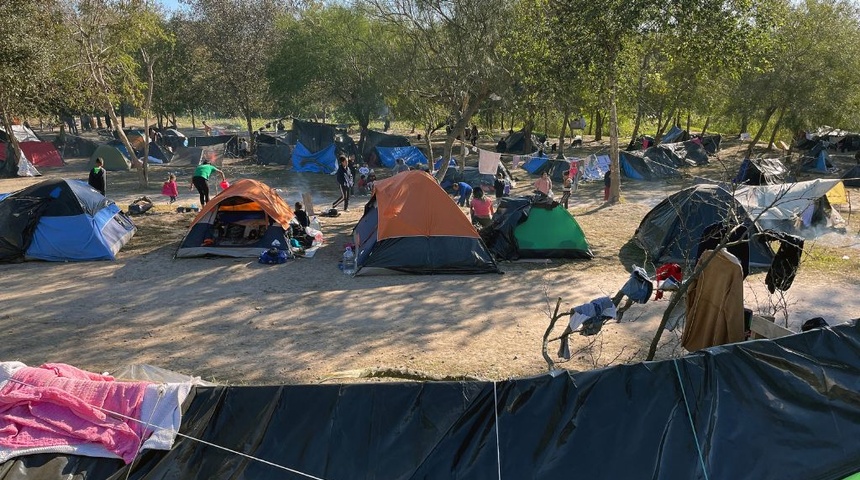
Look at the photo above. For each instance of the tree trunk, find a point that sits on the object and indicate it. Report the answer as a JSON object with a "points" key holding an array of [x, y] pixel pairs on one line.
{"points": [[745, 120], [150, 85], [776, 127], [10, 166], [427, 131], [636, 123], [563, 132], [707, 123], [615, 176], [122, 113], [768, 113], [591, 124], [463, 152], [471, 106], [528, 128], [193, 120], [598, 127], [640, 88], [545, 123], [689, 121], [665, 126]]}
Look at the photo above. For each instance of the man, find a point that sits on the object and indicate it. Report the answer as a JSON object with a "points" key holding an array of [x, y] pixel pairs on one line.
{"points": [[243, 147], [399, 166], [465, 192], [200, 179]]}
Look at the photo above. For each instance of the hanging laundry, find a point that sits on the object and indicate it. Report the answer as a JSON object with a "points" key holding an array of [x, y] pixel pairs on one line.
{"points": [[714, 234], [488, 162], [782, 270], [639, 286], [667, 274], [590, 316], [715, 303]]}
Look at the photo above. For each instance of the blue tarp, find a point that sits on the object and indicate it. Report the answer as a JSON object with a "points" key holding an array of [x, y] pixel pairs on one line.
{"points": [[438, 164], [673, 135], [534, 164], [323, 161], [411, 155]]}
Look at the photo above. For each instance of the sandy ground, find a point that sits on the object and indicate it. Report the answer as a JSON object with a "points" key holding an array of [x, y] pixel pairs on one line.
{"points": [[235, 321]]}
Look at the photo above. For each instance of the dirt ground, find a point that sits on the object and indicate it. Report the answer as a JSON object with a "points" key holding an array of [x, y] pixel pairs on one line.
{"points": [[234, 321]]}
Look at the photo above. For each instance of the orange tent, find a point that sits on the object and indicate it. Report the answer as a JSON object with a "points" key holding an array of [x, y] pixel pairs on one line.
{"points": [[410, 224], [241, 221]]}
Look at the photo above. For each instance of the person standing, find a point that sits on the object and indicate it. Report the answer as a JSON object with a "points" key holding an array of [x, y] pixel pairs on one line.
{"points": [[207, 130], [200, 180], [607, 182], [399, 166], [98, 178], [353, 170], [170, 189], [544, 184], [499, 187], [302, 215], [565, 190], [473, 134], [344, 181]]}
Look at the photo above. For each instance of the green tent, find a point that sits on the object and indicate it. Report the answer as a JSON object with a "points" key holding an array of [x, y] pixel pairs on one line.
{"points": [[534, 227], [112, 156]]}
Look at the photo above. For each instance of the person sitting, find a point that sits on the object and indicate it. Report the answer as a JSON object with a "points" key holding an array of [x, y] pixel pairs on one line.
{"points": [[399, 166], [302, 215], [544, 184], [362, 184], [371, 181], [481, 209]]}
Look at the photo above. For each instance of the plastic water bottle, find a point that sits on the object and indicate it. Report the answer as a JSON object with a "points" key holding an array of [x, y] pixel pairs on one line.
{"points": [[348, 262]]}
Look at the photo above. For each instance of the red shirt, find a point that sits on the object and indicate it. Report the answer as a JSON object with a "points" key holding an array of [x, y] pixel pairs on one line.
{"points": [[482, 207]]}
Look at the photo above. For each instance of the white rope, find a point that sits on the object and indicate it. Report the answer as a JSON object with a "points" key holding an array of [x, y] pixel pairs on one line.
{"points": [[498, 448], [250, 457]]}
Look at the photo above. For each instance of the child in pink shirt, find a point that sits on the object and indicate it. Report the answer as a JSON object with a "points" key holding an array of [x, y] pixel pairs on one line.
{"points": [[170, 188]]}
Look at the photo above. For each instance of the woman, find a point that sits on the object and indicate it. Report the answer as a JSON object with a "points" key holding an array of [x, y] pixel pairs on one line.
{"points": [[344, 181], [200, 179], [544, 184], [481, 209]]}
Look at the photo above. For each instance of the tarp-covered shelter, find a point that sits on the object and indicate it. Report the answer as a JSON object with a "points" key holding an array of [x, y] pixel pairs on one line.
{"points": [[74, 146], [61, 220], [534, 227], [851, 178], [671, 231], [711, 143], [516, 143], [274, 154], [680, 154], [554, 167], [473, 177], [411, 225], [675, 134], [412, 156], [113, 157], [761, 171], [790, 207], [345, 145], [737, 411], [22, 134], [373, 139], [187, 157], [241, 221], [638, 167], [594, 167], [315, 149]]}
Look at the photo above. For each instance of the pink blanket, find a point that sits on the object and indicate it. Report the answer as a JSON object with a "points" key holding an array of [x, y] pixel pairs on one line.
{"points": [[59, 405]]}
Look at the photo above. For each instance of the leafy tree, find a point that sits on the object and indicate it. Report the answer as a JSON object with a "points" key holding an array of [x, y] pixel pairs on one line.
{"points": [[336, 53], [27, 30], [239, 36]]}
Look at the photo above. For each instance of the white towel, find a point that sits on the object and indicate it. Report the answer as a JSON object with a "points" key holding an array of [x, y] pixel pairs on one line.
{"points": [[488, 162], [515, 161], [162, 410]]}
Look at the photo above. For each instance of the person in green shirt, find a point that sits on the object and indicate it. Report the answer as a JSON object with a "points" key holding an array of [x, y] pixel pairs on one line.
{"points": [[200, 179]]}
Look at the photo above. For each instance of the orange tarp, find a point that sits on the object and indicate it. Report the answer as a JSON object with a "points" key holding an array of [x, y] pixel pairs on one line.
{"points": [[250, 191], [412, 204]]}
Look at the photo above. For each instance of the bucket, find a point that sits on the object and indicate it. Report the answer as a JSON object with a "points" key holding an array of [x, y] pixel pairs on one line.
{"points": [[224, 184]]}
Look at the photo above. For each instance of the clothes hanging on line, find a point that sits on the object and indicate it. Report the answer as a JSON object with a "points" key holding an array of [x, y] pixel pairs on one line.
{"points": [[488, 162]]}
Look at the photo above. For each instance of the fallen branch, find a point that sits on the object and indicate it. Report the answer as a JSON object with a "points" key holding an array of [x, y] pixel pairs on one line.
{"points": [[554, 318], [400, 373]]}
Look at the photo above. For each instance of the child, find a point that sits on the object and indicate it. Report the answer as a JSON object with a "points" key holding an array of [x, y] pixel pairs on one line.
{"points": [[302, 215], [170, 188], [481, 209], [371, 180], [362, 185]]}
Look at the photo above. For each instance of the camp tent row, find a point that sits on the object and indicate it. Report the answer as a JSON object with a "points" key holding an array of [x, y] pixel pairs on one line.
{"points": [[733, 411]]}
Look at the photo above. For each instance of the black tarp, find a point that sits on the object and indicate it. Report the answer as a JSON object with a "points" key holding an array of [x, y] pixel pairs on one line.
{"points": [[373, 139], [784, 408], [671, 231], [711, 143], [638, 167], [74, 146], [852, 177], [187, 156], [681, 154], [516, 143], [280, 154], [314, 136], [345, 145]]}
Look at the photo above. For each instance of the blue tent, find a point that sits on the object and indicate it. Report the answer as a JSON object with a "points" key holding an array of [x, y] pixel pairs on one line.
{"points": [[675, 134], [438, 164], [534, 164], [61, 220], [638, 167], [323, 161], [411, 155], [817, 160]]}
